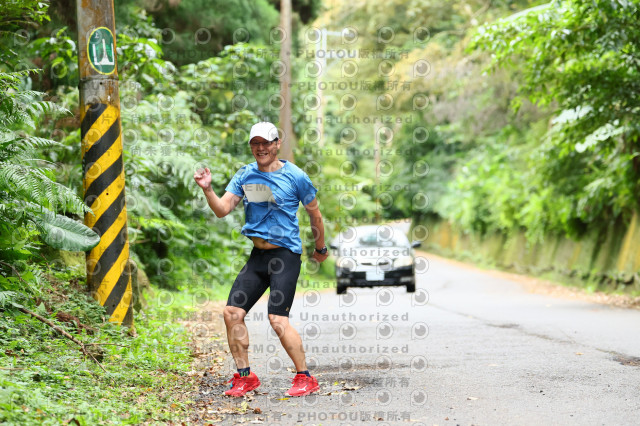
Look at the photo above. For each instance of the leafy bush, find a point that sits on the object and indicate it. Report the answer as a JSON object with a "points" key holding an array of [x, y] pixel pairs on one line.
{"points": [[29, 195]]}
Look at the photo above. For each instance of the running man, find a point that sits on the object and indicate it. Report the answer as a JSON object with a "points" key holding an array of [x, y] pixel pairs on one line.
{"points": [[271, 190]]}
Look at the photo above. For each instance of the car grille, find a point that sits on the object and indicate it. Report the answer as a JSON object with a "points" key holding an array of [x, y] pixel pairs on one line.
{"points": [[392, 277], [376, 263]]}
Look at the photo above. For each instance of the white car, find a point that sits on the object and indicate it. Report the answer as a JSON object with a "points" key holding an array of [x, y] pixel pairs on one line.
{"points": [[374, 255]]}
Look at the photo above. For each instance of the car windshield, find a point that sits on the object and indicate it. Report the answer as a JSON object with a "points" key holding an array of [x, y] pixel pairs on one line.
{"points": [[377, 239]]}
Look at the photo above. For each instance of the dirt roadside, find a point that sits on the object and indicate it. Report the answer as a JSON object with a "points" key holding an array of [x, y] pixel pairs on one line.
{"points": [[211, 359]]}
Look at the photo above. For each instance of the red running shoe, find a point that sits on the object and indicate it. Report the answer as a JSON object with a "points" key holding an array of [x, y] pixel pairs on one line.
{"points": [[303, 385], [242, 384]]}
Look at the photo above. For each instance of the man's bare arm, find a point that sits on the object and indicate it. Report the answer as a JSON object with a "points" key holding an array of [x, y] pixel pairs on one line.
{"points": [[317, 228], [220, 206]]}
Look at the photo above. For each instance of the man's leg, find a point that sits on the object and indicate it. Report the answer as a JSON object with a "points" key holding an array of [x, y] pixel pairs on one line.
{"points": [[284, 268], [303, 383], [250, 284], [237, 335], [290, 339]]}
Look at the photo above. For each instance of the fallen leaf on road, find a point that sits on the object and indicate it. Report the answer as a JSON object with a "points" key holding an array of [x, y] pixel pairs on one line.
{"points": [[579, 353], [221, 411], [349, 386]]}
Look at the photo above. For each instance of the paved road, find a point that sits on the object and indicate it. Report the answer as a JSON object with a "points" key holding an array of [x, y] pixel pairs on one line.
{"points": [[466, 348]]}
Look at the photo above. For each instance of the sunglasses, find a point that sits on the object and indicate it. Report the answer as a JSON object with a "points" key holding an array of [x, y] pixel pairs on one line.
{"points": [[264, 144]]}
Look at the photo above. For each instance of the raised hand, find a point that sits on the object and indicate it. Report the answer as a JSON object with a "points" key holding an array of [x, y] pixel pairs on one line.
{"points": [[203, 178]]}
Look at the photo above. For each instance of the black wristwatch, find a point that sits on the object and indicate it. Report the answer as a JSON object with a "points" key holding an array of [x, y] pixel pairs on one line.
{"points": [[323, 250]]}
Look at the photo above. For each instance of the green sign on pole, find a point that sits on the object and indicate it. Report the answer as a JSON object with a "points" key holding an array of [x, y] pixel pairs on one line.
{"points": [[101, 51]]}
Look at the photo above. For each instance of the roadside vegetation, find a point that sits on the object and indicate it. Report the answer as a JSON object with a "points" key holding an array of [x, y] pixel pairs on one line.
{"points": [[544, 141]]}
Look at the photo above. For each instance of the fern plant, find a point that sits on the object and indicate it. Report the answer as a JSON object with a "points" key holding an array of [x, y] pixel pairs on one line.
{"points": [[29, 196]]}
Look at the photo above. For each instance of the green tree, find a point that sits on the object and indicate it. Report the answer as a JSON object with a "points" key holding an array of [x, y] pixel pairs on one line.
{"points": [[579, 58], [196, 30]]}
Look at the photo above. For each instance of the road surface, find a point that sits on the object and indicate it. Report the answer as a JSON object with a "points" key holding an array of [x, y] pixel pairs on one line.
{"points": [[466, 349]]}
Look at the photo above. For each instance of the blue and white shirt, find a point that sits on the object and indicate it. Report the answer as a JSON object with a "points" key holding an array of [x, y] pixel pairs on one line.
{"points": [[271, 201]]}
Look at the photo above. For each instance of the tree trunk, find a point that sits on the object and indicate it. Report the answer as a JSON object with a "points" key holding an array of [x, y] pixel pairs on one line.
{"points": [[288, 142]]}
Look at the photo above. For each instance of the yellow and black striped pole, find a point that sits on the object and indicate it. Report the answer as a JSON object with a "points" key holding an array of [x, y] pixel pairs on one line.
{"points": [[108, 269]]}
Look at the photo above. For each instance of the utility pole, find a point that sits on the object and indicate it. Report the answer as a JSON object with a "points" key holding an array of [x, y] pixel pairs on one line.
{"points": [[108, 269], [285, 82], [323, 65], [376, 161]]}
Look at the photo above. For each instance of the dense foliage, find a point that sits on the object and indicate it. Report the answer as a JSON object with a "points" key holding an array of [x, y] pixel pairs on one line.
{"points": [[579, 58], [29, 195], [167, 135], [528, 111], [496, 116]]}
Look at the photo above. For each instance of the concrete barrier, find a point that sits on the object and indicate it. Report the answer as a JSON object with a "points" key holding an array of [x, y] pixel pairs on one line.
{"points": [[606, 259]]}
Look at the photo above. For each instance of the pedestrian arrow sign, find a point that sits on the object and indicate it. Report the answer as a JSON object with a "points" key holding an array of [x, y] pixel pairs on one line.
{"points": [[101, 51]]}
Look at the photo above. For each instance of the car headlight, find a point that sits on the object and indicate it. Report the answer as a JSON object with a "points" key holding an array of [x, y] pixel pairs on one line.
{"points": [[347, 263], [403, 261]]}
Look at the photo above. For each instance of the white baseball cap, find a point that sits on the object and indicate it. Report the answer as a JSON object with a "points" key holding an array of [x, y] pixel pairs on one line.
{"points": [[265, 130]]}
